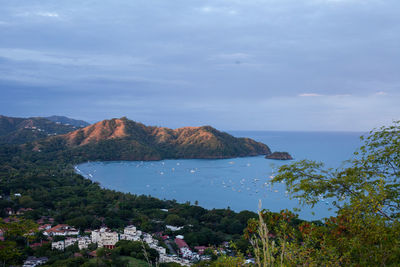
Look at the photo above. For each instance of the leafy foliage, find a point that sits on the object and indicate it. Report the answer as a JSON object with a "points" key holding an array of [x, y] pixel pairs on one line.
{"points": [[365, 191]]}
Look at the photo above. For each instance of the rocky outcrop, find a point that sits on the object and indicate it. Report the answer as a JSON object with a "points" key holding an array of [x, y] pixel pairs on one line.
{"points": [[279, 156]]}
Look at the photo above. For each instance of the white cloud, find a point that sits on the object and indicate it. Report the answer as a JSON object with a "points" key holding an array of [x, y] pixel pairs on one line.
{"points": [[232, 56], [65, 58], [381, 93], [48, 14], [221, 10], [309, 95]]}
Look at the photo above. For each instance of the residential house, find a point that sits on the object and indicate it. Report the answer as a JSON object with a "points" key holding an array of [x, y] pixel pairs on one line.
{"points": [[183, 248], [104, 237], [61, 230], [84, 242]]}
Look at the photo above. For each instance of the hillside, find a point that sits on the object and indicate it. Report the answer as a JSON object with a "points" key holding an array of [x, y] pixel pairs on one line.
{"points": [[23, 130], [67, 121], [123, 139]]}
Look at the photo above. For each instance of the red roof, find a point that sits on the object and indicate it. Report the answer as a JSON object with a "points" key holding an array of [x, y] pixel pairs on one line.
{"points": [[200, 249], [93, 253], [180, 243], [60, 228], [44, 226]]}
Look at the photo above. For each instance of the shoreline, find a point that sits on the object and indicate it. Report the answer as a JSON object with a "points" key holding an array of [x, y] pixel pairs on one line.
{"points": [[215, 197]]}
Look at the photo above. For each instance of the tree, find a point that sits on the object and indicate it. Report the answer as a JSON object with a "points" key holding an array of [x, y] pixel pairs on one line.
{"points": [[366, 229], [13, 231], [9, 252]]}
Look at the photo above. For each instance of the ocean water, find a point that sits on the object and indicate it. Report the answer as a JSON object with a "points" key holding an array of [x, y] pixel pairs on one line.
{"points": [[237, 183]]}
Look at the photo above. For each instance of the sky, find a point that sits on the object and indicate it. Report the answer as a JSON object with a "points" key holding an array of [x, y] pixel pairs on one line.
{"points": [[292, 65]]}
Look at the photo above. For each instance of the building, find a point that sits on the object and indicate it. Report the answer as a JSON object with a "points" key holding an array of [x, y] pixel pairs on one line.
{"points": [[33, 261], [131, 234], [130, 230], [174, 228], [44, 227], [84, 242], [61, 230], [183, 248], [200, 249], [104, 237], [58, 245], [70, 241]]}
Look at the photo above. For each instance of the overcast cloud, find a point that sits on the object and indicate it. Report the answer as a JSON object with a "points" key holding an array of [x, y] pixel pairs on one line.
{"points": [[233, 64]]}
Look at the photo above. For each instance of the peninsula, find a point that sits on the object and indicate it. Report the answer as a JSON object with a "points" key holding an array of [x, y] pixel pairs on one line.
{"points": [[124, 139]]}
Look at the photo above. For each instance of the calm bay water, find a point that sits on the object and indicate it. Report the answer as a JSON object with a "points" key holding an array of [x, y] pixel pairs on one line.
{"points": [[238, 183]]}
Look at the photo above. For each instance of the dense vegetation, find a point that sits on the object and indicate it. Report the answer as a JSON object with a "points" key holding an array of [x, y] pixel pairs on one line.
{"points": [[48, 184], [22, 130], [66, 120], [364, 232], [123, 139], [366, 228]]}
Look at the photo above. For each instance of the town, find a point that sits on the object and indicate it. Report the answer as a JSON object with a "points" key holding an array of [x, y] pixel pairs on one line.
{"points": [[61, 236]]}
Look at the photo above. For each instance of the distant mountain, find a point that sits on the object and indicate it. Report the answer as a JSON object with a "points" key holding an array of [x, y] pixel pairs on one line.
{"points": [[67, 121], [23, 130], [123, 139]]}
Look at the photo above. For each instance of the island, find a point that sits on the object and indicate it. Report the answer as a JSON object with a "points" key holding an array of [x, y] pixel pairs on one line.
{"points": [[279, 156]]}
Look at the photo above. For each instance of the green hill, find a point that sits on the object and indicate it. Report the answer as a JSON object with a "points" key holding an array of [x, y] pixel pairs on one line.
{"points": [[23, 130], [124, 139]]}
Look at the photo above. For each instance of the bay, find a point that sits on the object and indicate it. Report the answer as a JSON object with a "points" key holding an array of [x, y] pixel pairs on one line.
{"points": [[237, 183]]}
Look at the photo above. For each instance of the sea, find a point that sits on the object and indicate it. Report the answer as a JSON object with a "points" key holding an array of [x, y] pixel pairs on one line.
{"points": [[236, 183]]}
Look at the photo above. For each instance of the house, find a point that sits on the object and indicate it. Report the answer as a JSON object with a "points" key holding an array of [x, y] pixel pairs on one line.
{"points": [[93, 254], [174, 228], [9, 211], [36, 245], [23, 210], [61, 230], [70, 241], [149, 239], [33, 261], [59, 245], [84, 242], [131, 233], [104, 237], [200, 249], [44, 227], [130, 230], [183, 248]]}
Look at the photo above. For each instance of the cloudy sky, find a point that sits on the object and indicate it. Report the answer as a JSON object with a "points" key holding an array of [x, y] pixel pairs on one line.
{"points": [[233, 64]]}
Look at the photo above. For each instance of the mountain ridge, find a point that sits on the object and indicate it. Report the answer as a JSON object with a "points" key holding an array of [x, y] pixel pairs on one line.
{"points": [[67, 121], [14, 130], [124, 139]]}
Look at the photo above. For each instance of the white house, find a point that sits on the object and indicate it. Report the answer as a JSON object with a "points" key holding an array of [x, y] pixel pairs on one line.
{"points": [[84, 242], [61, 230], [70, 241], [104, 237], [58, 245]]}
